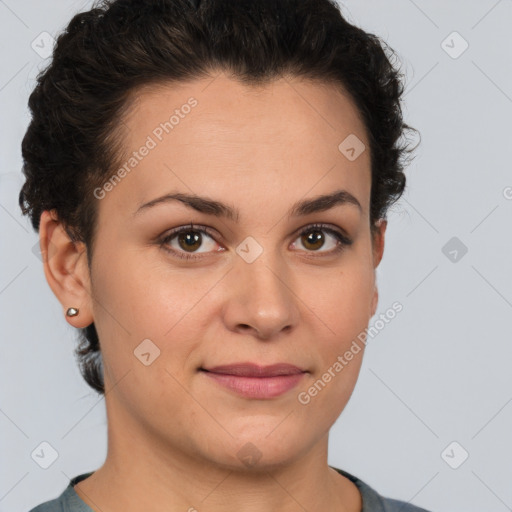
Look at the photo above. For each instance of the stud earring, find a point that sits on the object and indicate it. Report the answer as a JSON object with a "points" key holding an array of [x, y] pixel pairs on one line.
{"points": [[72, 312]]}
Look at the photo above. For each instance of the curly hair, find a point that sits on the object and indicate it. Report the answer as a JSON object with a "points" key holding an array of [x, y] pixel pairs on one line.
{"points": [[104, 55]]}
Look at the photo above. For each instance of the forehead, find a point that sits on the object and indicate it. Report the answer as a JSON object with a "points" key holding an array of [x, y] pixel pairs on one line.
{"points": [[229, 105], [210, 135]]}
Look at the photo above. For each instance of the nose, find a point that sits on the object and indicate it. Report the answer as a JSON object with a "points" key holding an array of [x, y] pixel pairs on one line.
{"points": [[261, 299]]}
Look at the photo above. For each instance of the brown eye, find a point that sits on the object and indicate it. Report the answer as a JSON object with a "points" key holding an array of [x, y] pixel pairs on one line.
{"points": [[189, 241], [315, 237], [313, 240], [185, 241]]}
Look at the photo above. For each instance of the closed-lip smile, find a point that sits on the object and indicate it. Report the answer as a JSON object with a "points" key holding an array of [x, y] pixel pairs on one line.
{"points": [[254, 370], [250, 380]]}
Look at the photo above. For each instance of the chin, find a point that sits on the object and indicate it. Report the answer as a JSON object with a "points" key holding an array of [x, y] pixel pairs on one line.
{"points": [[261, 449]]}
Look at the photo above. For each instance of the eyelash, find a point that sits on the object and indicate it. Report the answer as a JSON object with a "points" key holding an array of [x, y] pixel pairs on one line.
{"points": [[340, 237]]}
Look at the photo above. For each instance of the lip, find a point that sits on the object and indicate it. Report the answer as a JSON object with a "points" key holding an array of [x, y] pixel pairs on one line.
{"points": [[255, 370], [253, 381]]}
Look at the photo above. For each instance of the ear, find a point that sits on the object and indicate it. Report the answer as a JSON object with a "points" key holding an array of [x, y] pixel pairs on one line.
{"points": [[66, 269], [378, 251]]}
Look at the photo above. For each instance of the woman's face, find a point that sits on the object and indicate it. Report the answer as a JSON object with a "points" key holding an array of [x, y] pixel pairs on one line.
{"points": [[254, 289]]}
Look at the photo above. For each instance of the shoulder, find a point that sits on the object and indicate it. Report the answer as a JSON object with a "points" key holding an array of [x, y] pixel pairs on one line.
{"points": [[392, 505], [68, 501], [49, 506], [374, 502]]}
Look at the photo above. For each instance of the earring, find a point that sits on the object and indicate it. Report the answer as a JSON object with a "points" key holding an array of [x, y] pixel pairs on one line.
{"points": [[72, 312]]}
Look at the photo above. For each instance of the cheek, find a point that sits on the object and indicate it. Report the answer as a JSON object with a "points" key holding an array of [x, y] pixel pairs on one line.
{"points": [[342, 313], [133, 296], [141, 311], [342, 301], [328, 392]]}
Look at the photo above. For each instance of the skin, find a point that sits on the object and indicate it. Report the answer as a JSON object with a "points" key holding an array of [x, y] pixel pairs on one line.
{"points": [[173, 433]]}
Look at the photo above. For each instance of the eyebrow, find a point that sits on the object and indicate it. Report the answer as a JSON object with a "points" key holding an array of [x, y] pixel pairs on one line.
{"points": [[211, 207]]}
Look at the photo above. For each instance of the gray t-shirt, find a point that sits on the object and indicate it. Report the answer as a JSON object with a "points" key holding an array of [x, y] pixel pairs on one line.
{"points": [[69, 501]]}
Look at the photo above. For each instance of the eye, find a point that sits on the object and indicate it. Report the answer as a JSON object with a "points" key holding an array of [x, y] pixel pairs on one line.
{"points": [[184, 241], [313, 238], [188, 239]]}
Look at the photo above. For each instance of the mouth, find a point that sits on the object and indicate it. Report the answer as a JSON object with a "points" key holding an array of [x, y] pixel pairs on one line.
{"points": [[254, 370], [257, 382]]}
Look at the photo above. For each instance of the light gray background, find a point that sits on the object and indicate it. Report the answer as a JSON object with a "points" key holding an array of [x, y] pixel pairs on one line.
{"points": [[438, 373]]}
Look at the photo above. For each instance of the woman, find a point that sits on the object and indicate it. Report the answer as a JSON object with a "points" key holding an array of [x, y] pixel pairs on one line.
{"points": [[210, 182]]}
